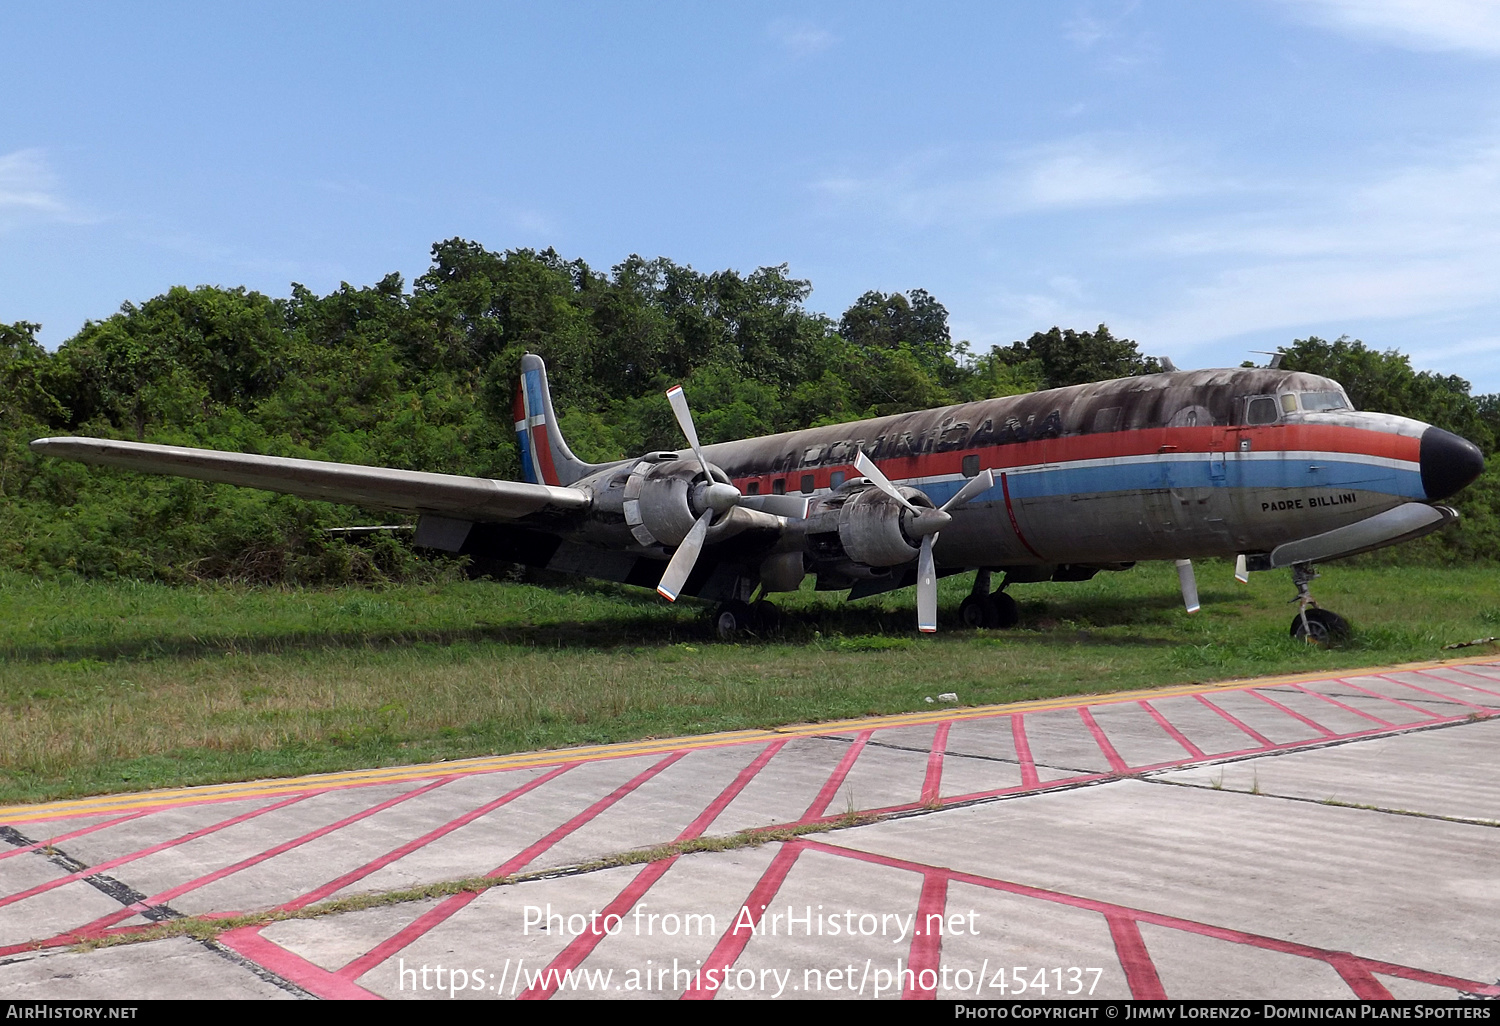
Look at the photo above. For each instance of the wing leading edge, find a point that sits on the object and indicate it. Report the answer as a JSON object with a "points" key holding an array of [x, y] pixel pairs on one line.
{"points": [[477, 498]]}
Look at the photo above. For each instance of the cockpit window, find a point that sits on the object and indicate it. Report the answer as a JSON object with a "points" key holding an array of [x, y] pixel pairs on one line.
{"points": [[1317, 402], [1261, 410]]}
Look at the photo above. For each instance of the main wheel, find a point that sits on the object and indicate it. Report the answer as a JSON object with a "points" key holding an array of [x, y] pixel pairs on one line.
{"points": [[732, 619], [1007, 613], [978, 611], [765, 617], [1322, 627]]}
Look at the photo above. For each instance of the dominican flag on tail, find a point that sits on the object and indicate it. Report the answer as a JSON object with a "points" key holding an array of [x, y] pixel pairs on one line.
{"points": [[545, 457]]}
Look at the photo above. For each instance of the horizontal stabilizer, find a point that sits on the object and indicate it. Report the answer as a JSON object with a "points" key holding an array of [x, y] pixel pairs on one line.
{"points": [[475, 498], [1405, 522]]}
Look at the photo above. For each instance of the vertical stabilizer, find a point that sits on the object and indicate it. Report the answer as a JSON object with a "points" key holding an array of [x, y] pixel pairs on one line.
{"points": [[545, 457]]}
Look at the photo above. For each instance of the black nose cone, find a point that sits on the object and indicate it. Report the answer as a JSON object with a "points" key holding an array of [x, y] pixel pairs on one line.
{"points": [[1448, 462]]}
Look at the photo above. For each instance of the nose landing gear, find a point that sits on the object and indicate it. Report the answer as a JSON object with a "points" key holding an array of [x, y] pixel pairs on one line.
{"points": [[1311, 624]]}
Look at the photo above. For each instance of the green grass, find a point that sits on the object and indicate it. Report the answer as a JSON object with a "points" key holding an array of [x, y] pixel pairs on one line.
{"points": [[125, 686]]}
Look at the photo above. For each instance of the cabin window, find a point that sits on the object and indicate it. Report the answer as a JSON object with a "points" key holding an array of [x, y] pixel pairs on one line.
{"points": [[813, 455], [753, 487], [1317, 402], [778, 486], [1106, 420], [807, 483], [1261, 410], [971, 465], [1288, 403], [836, 478]]}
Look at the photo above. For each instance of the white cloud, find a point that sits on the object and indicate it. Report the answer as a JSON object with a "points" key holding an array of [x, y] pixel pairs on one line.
{"points": [[800, 38], [28, 186], [1416, 241], [1466, 25], [1079, 173]]}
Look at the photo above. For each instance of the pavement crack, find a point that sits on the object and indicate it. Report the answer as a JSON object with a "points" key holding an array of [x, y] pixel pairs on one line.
{"points": [[872, 743], [1329, 802], [118, 889]]}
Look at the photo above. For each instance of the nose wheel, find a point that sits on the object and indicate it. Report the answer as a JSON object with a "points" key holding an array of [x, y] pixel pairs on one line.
{"points": [[1311, 624]]}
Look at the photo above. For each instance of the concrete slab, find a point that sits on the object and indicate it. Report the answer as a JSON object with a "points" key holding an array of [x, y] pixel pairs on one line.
{"points": [[178, 969], [1123, 860]]}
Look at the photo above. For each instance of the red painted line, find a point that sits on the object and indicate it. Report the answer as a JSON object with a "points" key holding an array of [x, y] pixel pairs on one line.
{"points": [[1434, 694], [1140, 971], [732, 944], [1375, 694], [1341, 705], [60, 838], [1359, 978], [167, 895], [1293, 713], [1177, 735], [370, 959], [584, 944], [1014, 524], [934, 780], [122, 859], [1460, 669], [1109, 909], [354, 875], [1257, 735], [312, 978], [1023, 751], [1115, 762], [926, 946], [836, 778]]}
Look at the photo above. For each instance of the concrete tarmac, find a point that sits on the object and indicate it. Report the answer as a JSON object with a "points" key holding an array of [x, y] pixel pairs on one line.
{"points": [[1315, 836]]}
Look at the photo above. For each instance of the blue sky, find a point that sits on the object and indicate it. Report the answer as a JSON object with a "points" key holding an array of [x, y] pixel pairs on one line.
{"points": [[1207, 178]]}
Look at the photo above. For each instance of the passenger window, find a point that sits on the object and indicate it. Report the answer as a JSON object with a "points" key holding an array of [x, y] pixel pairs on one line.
{"points": [[754, 488], [778, 486], [1262, 410], [836, 478], [971, 466], [807, 483], [1288, 403]]}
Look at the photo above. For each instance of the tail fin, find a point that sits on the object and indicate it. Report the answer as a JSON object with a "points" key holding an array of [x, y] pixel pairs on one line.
{"points": [[545, 457]]}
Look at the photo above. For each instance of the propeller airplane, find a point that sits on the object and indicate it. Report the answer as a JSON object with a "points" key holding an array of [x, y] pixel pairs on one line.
{"points": [[1270, 467]]}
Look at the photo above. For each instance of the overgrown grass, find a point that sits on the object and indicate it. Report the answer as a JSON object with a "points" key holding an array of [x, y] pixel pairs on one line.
{"points": [[124, 686]]}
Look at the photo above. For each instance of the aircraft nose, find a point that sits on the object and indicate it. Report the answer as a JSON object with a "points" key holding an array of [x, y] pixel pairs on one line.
{"points": [[1448, 462]]}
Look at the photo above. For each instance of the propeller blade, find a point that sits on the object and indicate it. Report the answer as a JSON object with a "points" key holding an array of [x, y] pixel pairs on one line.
{"points": [[684, 559], [926, 588], [1189, 582], [685, 421], [867, 467], [983, 483], [1240, 573]]}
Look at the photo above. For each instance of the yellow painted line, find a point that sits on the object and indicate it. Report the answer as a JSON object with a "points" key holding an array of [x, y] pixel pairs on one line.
{"points": [[117, 804]]}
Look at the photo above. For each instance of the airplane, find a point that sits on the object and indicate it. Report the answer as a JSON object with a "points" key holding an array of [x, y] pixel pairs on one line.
{"points": [[1269, 467]]}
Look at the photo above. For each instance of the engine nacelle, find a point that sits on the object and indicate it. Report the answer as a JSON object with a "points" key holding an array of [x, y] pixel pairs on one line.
{"points": [[664, 498], [871, 527]]}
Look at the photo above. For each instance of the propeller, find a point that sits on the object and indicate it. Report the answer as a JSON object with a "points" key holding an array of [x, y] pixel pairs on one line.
{"points": [[715, 496], [926, 524], [1189, 582]]}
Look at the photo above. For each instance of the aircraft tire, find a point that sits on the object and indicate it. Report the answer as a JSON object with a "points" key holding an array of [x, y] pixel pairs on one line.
{"points": [[1323, 627], [1007, 613], [732, 619], [765, 617]]}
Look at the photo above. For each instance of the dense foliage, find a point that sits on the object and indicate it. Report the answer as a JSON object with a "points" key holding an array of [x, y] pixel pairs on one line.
{"points": [[422, 378]]}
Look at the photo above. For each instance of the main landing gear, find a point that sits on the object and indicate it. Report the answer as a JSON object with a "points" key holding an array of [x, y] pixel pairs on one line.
{"points": [[734, 618], [982, 609], [1311, 624]]}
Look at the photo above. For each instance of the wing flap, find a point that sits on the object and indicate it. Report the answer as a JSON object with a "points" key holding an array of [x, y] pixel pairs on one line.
{"points": [[477, 498]]}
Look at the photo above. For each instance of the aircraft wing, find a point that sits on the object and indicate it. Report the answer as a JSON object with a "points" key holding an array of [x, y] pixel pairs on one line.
{"points": [[477, 498]]}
